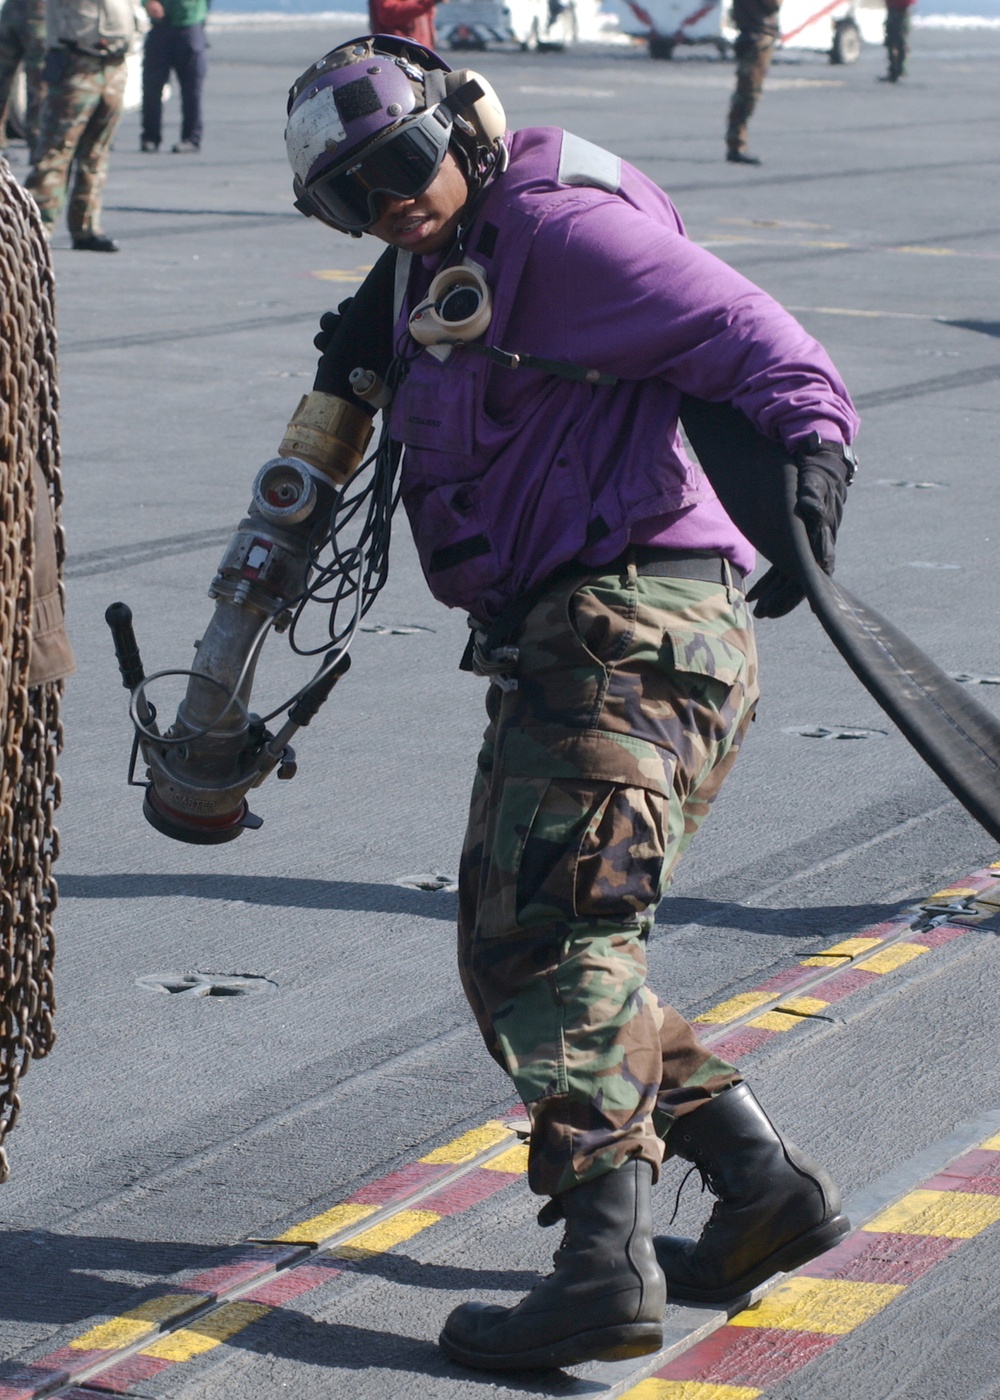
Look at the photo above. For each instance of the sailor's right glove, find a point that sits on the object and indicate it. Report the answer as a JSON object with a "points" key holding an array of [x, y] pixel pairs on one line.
{"points": [[826, 469]]}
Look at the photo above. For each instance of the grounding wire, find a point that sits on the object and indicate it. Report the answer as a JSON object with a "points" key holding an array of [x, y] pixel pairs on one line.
{"points": [[357, 571]]}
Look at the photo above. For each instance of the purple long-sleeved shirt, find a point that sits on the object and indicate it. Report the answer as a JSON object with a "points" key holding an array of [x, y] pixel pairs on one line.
{"points": [[510, 473]]}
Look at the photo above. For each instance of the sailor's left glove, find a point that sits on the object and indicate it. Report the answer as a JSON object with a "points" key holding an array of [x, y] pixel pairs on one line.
{"points": [[328, 323], [826, 469]]}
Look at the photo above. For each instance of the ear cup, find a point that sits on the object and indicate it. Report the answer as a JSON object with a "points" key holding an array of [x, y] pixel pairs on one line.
{"points": [[485, 115], [458, 307]]}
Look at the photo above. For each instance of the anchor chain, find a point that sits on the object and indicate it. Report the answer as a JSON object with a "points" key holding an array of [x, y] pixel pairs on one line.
{"points": [[30, 730]]}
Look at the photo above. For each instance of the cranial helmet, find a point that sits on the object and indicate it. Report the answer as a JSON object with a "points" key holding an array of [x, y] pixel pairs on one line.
{"points": [[376, 116]]}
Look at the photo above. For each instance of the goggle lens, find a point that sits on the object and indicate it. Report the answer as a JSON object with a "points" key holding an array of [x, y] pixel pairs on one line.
{"points": [[401, 164]]}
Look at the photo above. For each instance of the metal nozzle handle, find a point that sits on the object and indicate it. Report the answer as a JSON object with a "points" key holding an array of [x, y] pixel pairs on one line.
{"points": [[119, 618]]}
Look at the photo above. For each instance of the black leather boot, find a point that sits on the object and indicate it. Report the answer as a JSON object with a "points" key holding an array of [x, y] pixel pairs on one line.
{"points": [[776, 1208], [604, 1300]]}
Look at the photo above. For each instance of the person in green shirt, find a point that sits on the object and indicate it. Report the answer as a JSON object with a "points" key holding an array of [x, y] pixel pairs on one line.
{"points": [[176, 42]]}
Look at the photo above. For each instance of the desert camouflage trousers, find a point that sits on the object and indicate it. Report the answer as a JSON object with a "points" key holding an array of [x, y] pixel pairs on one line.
{"points": [[78, 120], [753, 58], [633, 696]]}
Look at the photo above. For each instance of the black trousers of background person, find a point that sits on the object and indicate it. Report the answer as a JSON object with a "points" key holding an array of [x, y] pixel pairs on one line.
{"points": [[182, 51]]}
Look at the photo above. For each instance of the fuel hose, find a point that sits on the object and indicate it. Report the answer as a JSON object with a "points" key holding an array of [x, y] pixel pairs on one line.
{"points": [[756, 480]]}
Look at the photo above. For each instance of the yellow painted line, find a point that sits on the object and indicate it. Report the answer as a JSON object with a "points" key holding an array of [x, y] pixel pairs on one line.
{"points": [[896, 956], [869, 315], [991, 1144], [928, 252], [832, 1306], [321, 1227], [515, 1159], [209, 1332], [735, 1007], [469, 1145], [956, 1215], [340, 274], [401, 1226], [789, 1014], [654, 1389], [137, 1322], [847, 948]]}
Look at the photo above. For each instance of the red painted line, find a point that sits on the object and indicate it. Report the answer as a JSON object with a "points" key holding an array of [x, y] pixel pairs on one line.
{"points": [[70, 1360], [977, 1172], [119, 1379], [881, 1258], [398, 1185], [747, 1356], [27, 1381], [742, 1042], [292, 1283], [784, 981], [844, 984], [241, 1269], [944, 933], [469, 1191]]}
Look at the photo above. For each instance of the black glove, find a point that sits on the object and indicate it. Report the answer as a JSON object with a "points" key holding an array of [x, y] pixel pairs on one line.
{"points": [[328, 324], [826, 469]]}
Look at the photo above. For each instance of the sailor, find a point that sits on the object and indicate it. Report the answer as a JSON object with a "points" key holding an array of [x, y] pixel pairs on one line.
{"points": [[550, 313]]}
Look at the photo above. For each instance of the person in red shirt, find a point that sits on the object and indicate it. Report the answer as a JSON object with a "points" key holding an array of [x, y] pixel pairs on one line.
{"points": [[410, 19], [897, 29]]}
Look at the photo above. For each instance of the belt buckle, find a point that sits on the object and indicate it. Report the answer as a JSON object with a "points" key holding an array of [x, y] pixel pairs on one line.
{"points": [[497, 664]]}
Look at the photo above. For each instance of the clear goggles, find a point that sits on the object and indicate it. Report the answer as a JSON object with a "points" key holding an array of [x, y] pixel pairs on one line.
{"points": [[400, 164]]}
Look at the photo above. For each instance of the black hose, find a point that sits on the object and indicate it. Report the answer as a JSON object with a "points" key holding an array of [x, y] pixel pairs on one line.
{"points": [[755, 479]]}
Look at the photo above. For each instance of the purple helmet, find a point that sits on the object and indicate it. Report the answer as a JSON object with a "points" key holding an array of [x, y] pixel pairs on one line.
{"points": [[374, 117], [366, 119]]}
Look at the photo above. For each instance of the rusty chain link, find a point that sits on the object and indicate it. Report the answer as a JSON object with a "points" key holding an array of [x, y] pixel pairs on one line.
{"points": [[29, 716]]}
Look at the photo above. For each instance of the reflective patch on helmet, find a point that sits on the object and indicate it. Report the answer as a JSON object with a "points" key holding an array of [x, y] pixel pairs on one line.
{"points": [[357, 99], [314, 129], [583, 163]]}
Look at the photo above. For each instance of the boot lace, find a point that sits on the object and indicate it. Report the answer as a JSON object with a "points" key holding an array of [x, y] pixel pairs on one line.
{"points": [[707, 1184]]}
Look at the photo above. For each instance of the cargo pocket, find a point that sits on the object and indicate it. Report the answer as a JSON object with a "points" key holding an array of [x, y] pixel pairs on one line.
{"points": [[579, 830]]}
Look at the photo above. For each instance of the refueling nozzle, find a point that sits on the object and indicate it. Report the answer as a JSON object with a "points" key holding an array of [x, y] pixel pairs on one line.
{"points": [[200, 770]]}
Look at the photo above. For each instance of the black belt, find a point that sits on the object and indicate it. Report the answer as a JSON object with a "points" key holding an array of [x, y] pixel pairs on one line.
{"points": [[702, 565]]}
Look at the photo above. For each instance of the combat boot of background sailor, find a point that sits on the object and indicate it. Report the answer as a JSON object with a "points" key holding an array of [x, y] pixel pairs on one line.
{"points": [[776, 1208], [603, 1301]]}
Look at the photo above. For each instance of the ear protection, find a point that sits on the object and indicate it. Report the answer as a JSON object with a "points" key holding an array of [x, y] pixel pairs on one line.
{"points": [[457, 308], [484, 113]]}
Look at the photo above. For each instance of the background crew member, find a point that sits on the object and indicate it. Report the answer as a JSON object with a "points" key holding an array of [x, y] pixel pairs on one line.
{"points": [[22, 44], [897, 32], [85, 71], [410, 19], [176, 41], [757, 22], [554, 503]]}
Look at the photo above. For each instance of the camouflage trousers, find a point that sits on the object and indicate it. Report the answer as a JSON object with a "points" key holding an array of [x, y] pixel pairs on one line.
{"points": [[633, 696], [22, 43], [753, 58], [78, 120]]}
